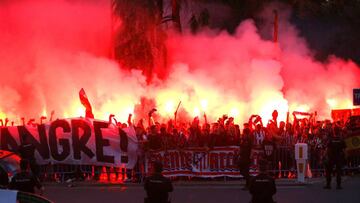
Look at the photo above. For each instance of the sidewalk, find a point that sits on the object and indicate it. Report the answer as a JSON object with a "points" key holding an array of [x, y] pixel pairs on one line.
{"points": [[235, 183]]}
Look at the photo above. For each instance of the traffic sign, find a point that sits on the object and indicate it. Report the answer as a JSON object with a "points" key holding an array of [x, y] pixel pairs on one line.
{"points": [[356, 96]]}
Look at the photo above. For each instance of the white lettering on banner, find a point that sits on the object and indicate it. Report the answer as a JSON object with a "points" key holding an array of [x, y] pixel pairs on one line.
{"points": [[198, 162], [76, 141]]}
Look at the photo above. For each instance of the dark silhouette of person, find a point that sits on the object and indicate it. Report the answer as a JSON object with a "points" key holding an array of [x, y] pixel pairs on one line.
{"points": [[262, 187], [25, 181], [335, 157], [27, 152], [245, 152], [157, 186], [4, 179]]}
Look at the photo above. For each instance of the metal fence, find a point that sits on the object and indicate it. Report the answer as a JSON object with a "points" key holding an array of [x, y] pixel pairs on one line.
{"points": [[284, 162], [283, 165], [68, 173]]}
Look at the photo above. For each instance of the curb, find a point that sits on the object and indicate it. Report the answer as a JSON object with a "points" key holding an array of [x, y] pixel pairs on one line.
{"points": [[177, 183]]}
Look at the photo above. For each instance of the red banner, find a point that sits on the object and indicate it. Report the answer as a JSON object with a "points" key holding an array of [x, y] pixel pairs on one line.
{"points": [[340, 114], [198, 162]]}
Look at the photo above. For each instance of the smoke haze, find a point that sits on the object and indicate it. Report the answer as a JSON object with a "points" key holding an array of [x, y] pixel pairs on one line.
{"points": [[51, 49]]}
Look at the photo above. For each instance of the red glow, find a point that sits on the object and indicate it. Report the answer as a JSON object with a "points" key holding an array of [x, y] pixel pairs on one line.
{"points": [[110, 177], [51, 49]]}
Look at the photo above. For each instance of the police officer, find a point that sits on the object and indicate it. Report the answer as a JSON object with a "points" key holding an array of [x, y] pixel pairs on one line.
{"points": [[27, 152], [335, 157], [4, 179], [245, 152], [25, 181], [262, 186], [157, 186]]}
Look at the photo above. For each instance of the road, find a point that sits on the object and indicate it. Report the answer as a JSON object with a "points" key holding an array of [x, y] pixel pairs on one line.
{"points": [[207, 193]]}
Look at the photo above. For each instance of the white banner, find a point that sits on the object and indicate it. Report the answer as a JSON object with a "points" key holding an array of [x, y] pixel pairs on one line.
{"points": [[76, 141]]}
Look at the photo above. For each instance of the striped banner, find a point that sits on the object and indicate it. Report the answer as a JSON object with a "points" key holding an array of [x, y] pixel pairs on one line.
{"points": [[198, 162]]}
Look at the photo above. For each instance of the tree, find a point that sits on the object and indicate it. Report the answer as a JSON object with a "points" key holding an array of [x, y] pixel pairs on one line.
{"points": [[139, 41]]}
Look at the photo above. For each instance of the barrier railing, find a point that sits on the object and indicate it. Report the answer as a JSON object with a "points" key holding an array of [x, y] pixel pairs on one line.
{"points": [[283, 165], [63, 173], [285, 162]]}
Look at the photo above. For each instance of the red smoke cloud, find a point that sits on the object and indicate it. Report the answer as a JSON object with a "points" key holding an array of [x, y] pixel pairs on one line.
{"points": [[253, 75], [51, 49]]}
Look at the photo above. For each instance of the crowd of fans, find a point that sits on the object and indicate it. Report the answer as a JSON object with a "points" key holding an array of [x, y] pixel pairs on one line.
{"points": [[270, 138], [267, 140], [224, 132]]}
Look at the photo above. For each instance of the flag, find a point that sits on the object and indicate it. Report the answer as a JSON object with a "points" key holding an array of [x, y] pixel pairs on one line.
{"points": [[355, 112], [85, 102], [302, 113], [340, 114]]}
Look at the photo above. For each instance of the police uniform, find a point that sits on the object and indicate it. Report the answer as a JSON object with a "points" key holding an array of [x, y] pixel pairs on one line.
{"points": [[335, 157], [244, 162], [262, 187], [4, 179], [25, 182], [27, 151], [157, 188]]}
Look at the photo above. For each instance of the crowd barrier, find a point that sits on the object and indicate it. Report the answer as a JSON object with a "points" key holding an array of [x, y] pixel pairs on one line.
{"points": [[200, 165]]}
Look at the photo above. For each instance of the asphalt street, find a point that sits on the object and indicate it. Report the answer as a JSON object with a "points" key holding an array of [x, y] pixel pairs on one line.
{"points": [[207, 192]]}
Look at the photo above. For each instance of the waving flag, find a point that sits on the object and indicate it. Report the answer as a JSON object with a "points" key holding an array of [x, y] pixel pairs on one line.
{"points": [[85, 102]]}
